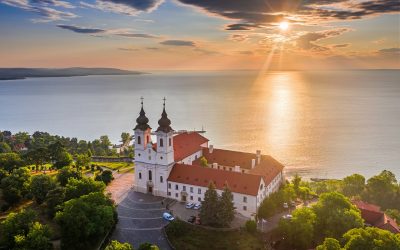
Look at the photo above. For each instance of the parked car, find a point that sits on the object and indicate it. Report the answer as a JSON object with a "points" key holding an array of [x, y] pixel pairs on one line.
{"points": [[192, 219], [287, 216], [285, 205], [293, 204], [190, 205], [197, 206], [168, 216]]}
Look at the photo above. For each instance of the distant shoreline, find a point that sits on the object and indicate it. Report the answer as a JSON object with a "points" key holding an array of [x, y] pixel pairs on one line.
{"points": [[24, 73]]}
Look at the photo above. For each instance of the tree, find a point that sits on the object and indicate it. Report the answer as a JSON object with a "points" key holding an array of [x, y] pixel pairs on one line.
{"points": [[116, 245], [335, 215], [105, 176], [203, 162], [251, 226], [371, 238], [38, 237], [15, 224], [10, 161], [296, 183], [226, 211], [39, 187], [382, 190], [353, 185], [329, 244], [148, 246], [54, 200], [85, 219], [82, 160], [299, 231], [394, 213], [38, 156], [76, 188], [65, 174], [125, 138], [4, 148], [15, 186], [210, 206]]}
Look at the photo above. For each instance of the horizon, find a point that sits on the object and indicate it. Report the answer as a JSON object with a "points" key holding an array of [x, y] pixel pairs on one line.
{"points": [[204, 35]]}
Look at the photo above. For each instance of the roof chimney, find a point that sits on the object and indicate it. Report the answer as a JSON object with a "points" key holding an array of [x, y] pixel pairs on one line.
{"points": [[210, 149], [253, 163], [215, 165], [237, 168], [258, 152]]}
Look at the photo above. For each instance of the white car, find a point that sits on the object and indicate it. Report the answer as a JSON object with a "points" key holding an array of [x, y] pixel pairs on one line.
{"points": [[285, 205], [190, 205], [287, 216], [168, 216], [197, 206]]}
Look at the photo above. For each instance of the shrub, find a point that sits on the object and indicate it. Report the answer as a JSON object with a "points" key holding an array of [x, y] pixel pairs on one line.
{"points": [[251, 226]]}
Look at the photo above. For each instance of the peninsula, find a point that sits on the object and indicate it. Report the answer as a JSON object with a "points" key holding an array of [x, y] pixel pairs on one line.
{"points": [[23, 73]]}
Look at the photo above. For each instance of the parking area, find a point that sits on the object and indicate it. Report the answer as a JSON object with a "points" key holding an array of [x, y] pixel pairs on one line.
{"points": [[140, 220], [180, 211]]}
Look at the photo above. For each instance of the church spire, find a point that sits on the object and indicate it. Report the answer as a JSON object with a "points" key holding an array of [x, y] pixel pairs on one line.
{"points": [[142, 121], [164, 123]]}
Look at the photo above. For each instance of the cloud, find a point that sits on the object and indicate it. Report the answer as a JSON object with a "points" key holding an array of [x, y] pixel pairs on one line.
{"points": [[342, 45], [178, 43], [128, 49], [83, 30], [307, 41], [239, 37], [137, 35], [97, 31], [152, 48], [127, 7], [44, 8], [390, 51], [251, 13]]}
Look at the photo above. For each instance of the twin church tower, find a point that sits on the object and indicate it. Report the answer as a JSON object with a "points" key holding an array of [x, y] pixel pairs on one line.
{"points": [[153, 161]]}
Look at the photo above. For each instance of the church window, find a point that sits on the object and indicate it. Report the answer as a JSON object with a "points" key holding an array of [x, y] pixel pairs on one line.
{"points": [[169, 185], [138, 154], [199, 191], [244, 199], [191, 197], [161, 157], [176, 195], [244, 208], [261, 187], [169, 193], [176, 187], [191, 189], [169, 142], [199, 199], [161, 142], [139, 140], [149, 151], [150, 175], [161, 179], [140, 175], [184, 188], [149, 157]]}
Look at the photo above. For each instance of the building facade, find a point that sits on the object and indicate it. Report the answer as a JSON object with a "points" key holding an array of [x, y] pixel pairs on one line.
{"points": [[180, 165]]}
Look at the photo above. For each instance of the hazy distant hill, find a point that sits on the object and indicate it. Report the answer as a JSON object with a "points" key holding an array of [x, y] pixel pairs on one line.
{"points": [[22, 73]]}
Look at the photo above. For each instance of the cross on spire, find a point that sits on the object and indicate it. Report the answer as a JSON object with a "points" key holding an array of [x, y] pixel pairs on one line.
{"points": [[141, 98], [164, 99]]}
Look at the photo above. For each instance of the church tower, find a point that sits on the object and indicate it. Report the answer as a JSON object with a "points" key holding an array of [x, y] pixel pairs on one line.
{"points": [[142, 136], [165, 143]]}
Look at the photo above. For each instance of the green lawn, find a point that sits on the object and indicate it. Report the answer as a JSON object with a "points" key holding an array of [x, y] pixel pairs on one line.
{"points": [[114, 165], [189, 237]]}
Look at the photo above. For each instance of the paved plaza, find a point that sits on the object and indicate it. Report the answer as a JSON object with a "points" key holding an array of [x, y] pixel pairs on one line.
{"points": [[140, 220]]}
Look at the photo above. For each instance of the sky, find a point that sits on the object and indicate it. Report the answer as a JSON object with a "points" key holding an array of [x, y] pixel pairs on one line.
{"points": [[201, 34]]}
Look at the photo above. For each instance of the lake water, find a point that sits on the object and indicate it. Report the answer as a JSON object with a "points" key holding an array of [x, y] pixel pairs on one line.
{"points": [[319, 124]]}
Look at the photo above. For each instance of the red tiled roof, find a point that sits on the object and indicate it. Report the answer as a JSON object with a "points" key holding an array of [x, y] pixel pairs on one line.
{"points": [[186, 144], [373, 215], [269, 168], [201, 176]]}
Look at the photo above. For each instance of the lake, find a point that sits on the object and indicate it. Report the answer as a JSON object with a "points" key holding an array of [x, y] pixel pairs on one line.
{"points": [[325, 124]]}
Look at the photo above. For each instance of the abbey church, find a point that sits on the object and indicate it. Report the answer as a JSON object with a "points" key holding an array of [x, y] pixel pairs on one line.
{"points": [[172, 167]]}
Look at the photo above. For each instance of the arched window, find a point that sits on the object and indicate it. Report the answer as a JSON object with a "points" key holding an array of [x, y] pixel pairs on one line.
{"points": [[161, 179], [150, 176], [139, 140], [140, 175], [161, 142], [169, 142]]}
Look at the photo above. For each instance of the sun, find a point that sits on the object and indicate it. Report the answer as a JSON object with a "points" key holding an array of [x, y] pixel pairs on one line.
{"points": [[283, 26]]}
